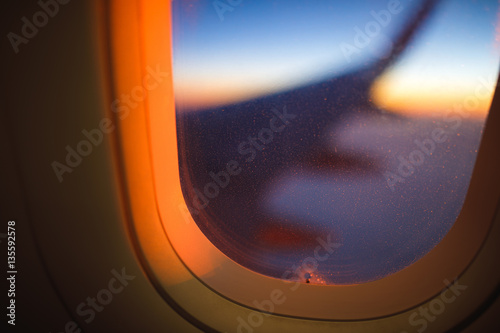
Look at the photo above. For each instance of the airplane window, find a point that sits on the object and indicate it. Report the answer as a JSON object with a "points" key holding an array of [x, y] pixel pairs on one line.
{"points": [[341, 131]]}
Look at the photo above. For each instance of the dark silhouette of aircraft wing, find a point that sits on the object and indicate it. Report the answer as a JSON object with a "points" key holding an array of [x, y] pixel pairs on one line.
{"points": [[266, 135]]}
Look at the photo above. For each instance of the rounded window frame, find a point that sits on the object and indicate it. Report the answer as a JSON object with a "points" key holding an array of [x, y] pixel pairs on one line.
{"points": [[183, 264]]}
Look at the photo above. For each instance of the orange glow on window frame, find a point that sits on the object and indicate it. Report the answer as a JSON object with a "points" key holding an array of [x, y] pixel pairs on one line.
{"points": [[176, 254]]}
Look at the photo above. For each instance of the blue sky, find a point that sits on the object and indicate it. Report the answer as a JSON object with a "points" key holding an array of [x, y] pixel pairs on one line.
{"points": [[266, 46]]}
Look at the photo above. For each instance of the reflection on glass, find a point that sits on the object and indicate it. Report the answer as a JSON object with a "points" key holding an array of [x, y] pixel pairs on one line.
{"points": [[330, 142]]}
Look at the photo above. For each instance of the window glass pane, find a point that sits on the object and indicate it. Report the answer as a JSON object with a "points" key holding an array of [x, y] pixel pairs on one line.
{"points": [[330, 141]]}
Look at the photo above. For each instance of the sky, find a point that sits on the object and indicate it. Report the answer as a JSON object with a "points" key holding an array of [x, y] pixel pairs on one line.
{"points": [[254, 48], [455, 62]]}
